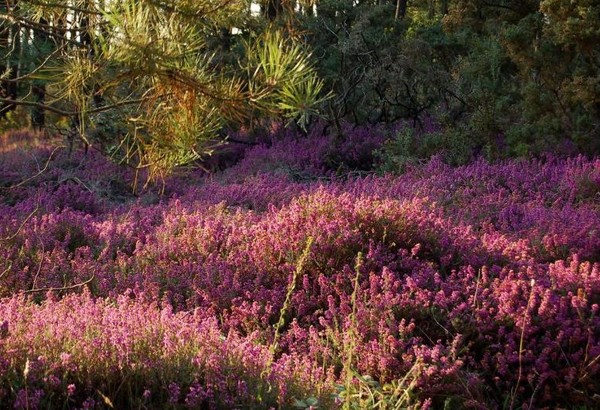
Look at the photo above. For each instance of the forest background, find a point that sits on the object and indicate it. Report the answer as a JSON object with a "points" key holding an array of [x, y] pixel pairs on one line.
{"points": [[160, 84]]}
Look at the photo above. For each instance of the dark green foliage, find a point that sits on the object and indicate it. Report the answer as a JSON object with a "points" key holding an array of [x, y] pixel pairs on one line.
{"points": [[502, 79], [515, 78], [530, 74], [408, 147], [379, 66]]}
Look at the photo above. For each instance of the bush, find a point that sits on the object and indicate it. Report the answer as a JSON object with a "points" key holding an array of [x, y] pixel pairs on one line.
{"points": [[408, 147]]}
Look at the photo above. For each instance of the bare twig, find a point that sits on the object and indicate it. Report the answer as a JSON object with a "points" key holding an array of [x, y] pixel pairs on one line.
{"points": [[14, 235], [78, 181], [40, 172], [69, 113], [39, 269], [53, 289], [36, 69], [5, 271], [66, 7]]}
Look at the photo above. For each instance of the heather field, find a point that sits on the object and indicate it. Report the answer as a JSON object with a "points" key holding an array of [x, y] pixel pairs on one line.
{"points": [[287, 281]]}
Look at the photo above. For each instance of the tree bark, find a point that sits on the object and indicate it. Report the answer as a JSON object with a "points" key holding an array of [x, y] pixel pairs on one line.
{"points": [[38, 114], [401, 6], [431, 9], [272, 9], [10, 40], [444, 7]]}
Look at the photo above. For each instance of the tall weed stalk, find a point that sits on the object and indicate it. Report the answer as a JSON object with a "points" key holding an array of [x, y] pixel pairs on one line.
{"points": [[362, 391], [286, 304]]}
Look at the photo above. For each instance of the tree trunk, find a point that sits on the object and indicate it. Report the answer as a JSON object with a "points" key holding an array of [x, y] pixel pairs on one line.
{"points": [[431, 9], [444, 7], [401, 6], [272, 9], [4, 45], [10, 39], [38, 89], [38, 114]]}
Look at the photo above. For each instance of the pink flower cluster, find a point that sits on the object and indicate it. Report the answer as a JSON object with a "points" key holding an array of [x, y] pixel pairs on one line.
{"points": [[486, 277], [81, 349]]}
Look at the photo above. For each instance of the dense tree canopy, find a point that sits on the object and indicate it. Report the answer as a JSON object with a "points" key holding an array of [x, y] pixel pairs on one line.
{"points": [[159, 81]]}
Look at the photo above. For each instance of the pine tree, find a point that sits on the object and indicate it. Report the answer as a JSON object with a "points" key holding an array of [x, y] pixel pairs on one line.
{"points": [[143, 80]]}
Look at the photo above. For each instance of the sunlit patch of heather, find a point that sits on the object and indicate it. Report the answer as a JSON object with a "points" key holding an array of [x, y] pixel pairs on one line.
{"points": [[66, 352], [254, 192]]}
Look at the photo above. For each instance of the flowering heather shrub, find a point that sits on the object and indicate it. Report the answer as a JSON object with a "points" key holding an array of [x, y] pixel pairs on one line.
{"points": [[82, 349], [481, 282], [320, 154]]}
